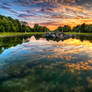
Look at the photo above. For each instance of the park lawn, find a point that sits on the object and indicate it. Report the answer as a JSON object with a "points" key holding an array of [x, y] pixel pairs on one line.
{"points": [[8, 34], [78, 33]]}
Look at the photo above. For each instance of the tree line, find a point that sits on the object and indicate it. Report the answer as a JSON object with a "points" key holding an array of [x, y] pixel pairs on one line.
{"points": [[8, 24], [83, 28]]}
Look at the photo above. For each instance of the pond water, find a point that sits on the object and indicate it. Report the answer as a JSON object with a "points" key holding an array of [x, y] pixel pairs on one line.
{"points": [[36, 64]]}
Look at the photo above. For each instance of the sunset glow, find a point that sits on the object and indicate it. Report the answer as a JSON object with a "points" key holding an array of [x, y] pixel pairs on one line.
{"points": [[50, 13]]}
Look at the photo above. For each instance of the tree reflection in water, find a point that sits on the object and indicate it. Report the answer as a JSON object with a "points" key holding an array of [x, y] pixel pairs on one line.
{"points": [[7, 42], [63, 66]]}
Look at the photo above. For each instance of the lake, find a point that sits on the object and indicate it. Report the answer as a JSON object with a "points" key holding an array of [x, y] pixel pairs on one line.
{"points": [[36, 64]]}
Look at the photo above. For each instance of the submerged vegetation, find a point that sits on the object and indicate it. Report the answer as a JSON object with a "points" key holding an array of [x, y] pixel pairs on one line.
{"points": [[57, 67], [50, 79]]}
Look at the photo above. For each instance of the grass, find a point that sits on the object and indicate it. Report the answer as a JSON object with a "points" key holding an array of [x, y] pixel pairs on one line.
{"points": [[78, 33], [6, 34]]}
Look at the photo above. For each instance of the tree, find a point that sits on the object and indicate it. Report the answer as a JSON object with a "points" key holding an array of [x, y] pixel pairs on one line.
{"points": [[83, 26], [36, 27], [59, 29], [77, 29], [66, 28], [8, 24], [2, 29]]}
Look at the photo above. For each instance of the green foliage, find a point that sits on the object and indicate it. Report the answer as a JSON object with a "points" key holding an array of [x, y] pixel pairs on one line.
{"points": [[59, 29], [66, 28], [8, 24], [83, 28], [2, 29], [38, 28]]}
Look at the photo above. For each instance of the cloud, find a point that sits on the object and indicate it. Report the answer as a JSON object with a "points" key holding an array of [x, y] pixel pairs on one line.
{"points": [[5, 7], [50, 12], [25, 16], [50, 23]]}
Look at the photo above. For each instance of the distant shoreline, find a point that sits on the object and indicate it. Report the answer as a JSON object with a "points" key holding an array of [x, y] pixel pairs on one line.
{"points": [[13, 34], [85, 34]]}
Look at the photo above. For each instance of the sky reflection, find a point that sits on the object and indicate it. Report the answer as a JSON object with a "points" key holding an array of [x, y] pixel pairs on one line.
{"points": [[66, 64], [75, 53]]}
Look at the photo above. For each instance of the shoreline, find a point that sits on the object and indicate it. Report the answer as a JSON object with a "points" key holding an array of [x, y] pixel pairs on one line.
{"points": [[75, 33], [14, 34]]}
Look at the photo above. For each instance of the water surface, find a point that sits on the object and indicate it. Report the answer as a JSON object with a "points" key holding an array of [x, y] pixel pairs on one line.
{"points": [[37, 64]]}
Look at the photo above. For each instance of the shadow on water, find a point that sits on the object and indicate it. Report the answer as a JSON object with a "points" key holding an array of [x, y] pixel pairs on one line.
{"points": [[45, 65], [84, 37]]}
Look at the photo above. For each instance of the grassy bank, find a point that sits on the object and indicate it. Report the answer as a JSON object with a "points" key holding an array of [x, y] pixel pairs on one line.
{"points": [[78, 33], [6, 34]]}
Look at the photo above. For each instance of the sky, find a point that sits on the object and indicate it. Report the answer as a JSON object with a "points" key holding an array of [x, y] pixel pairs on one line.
{"points": [[50, 13]]}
